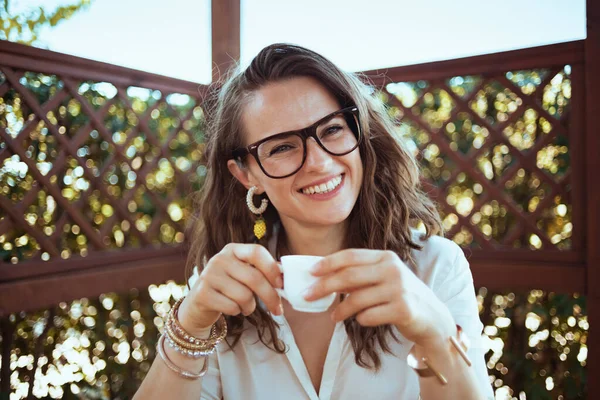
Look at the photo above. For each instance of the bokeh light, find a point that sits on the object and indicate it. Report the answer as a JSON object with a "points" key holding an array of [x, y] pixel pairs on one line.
{"points": [[128, 178], [496, 149]]}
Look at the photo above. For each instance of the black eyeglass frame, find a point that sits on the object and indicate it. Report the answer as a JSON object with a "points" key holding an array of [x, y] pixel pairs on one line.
{"points": [[310, 131]]}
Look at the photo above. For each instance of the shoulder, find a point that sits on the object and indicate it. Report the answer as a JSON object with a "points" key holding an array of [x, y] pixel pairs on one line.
{"points": [[437, 258], [434, 250]]}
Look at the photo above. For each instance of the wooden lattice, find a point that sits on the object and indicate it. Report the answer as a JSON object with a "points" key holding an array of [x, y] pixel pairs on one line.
{"points": [[495, 154], [86, 166], [95, 158], [38, 216], [89, 166]]}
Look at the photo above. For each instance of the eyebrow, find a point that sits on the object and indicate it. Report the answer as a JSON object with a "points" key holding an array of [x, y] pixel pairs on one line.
{"points": [[320, 120]]}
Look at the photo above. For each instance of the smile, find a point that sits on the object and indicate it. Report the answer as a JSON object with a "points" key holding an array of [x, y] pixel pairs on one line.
{"points": [[323, 187]]}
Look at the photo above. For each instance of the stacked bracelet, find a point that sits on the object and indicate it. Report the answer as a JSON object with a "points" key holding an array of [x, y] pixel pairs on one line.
{"points": [[189, 345], [160, 348], [424, 368]]}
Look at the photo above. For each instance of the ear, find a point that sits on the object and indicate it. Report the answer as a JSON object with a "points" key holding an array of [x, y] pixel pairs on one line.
{"points": [[243, 175]]}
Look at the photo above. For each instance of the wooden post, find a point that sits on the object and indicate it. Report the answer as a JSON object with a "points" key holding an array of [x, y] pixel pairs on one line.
{"points": [[8, 329], [592, 144], [225, 35]]}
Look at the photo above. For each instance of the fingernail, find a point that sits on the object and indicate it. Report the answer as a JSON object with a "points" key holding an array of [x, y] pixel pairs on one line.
{"points": [[307, 293], [279, 282], [314, 268]]}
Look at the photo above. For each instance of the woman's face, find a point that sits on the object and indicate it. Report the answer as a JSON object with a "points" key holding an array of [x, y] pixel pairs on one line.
{"points": [[291, 105]]}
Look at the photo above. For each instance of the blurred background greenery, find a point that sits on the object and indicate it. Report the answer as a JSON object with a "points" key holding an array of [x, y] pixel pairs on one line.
{"points": [[101, 348], [23, 25]]}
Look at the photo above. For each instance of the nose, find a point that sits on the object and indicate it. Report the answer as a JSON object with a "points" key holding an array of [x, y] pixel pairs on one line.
{"points": [[317, 159]]}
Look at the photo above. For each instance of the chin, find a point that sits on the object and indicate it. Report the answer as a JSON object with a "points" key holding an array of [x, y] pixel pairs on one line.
{"points": [[330, 218]]}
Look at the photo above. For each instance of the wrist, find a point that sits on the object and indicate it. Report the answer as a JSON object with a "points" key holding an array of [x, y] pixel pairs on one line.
{"points": [[433, 346], [441, 357], [197, 332], [187, 323], [436, 339]]}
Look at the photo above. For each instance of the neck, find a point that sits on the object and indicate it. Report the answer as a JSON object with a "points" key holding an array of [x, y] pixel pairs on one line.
{"points": [[312, 240]]}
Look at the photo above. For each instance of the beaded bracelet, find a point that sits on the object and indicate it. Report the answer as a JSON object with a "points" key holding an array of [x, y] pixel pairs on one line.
{"points": [[181, 342], [188, 345], [217, 333], [187, 352]]}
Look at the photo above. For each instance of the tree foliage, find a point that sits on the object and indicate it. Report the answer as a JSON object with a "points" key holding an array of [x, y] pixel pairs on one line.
{"points": [[24, 25]]}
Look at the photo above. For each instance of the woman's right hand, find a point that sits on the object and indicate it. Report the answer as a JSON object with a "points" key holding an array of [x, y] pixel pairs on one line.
{"points": [[227, 285]]}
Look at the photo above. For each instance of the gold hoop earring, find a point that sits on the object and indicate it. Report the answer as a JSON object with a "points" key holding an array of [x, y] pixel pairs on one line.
{"points": [[260, 225]]}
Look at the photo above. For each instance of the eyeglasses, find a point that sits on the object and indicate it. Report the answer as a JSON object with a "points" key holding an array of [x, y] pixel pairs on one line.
{"points": [[283, 154]]}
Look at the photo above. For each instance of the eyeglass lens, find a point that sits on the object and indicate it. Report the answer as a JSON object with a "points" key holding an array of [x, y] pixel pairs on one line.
{"points": [[283, 155]]}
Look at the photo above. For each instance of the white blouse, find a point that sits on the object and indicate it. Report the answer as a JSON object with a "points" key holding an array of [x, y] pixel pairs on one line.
{"points": [[253, 371]]}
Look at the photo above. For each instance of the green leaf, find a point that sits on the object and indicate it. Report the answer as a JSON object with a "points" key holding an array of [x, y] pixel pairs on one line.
{"points": [[42, 18], [24, 26]]}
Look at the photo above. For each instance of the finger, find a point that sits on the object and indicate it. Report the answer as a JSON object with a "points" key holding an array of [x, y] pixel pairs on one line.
{"points": [[259, 257], [378, 315], [361, 300], [345, 281], [346, 258], [257, 283], [223, 304], [237, 292]]}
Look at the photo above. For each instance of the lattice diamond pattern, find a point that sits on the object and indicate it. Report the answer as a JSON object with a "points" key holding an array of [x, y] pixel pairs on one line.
{"points": [[86, 166], [495, 154]]}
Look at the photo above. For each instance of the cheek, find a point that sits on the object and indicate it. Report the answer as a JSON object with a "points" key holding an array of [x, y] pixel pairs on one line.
{"points": [[278, 191], [358, 169]]}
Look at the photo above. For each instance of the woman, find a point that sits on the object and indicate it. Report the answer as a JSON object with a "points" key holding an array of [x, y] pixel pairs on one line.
{"points": [[333, 181]]}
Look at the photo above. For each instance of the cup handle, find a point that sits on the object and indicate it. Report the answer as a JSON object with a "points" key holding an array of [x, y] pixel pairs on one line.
{"points": [[280, 292]]}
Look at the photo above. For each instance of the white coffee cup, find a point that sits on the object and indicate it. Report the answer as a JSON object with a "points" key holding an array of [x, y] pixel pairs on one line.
{"points": [[296, 279]]}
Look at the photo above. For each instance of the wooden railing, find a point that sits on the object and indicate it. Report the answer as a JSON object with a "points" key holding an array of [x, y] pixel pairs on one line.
{"points": [[97, 161], [500, 138]]}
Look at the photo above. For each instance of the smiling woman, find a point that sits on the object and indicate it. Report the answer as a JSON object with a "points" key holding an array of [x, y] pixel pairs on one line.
{"points": [[319, 150]]}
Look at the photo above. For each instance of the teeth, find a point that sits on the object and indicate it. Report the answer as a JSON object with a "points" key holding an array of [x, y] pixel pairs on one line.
{"points": [[324, 187]]}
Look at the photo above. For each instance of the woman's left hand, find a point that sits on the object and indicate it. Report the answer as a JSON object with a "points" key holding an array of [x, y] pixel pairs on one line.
{"points": [[382, 290]]}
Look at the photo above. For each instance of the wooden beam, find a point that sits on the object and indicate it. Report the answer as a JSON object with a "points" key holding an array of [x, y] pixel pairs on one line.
{"points": [[225, 36], [592, 143], [503, 276], [577, 157], [39, 293], [520, 258], [53, 63], [38, 268], [534, 57], [550, 258], [121, 272]]}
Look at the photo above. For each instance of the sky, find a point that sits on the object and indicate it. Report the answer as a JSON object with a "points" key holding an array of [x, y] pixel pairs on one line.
{"points": [[172, 37]]}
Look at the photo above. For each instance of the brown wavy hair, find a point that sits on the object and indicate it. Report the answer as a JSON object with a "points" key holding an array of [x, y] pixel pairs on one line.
{"points": [[389, 203]]}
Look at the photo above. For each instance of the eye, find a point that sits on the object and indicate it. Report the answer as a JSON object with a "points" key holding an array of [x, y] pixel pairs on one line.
{"points": [[330, 130], [282, 148]]}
